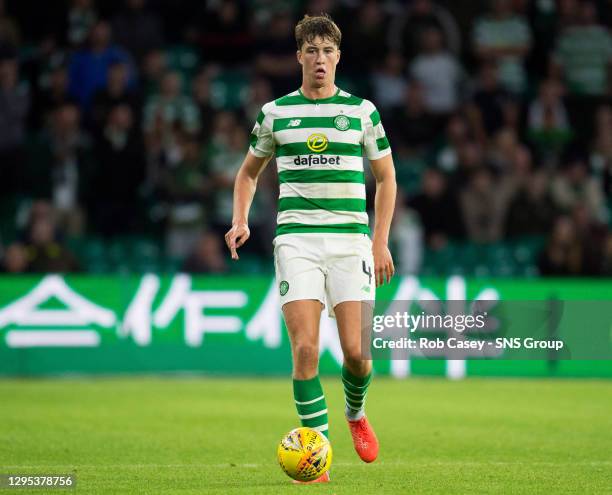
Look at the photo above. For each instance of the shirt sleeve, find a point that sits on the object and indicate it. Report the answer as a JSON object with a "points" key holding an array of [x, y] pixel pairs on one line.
{"points": [[375, 140], [261, 139]]}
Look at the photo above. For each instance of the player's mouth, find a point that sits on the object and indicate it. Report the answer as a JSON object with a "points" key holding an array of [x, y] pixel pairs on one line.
{"points": [[320, 73]]}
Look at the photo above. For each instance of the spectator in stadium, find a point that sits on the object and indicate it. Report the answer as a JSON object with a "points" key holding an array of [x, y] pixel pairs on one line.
{"points": [[406, 28], [185, 188], [54, 95], [40, 209], [388, 82], [470, 157], [483, 207], [116, 92], [491, 106], [487, 132], [531, 210], [188, 181], [89, 66], [61, 166], [411, 124], [45, 253], [225, 156], [439, 73], [504, 37], [503, 149], [229, 141], [14, 106], [548, 122], [38, 66], [80, 19], [562, 255], [584, 54], [138, 29], [438, 210], [446, 152], [592, 235], [171, 108], [406, 236], [153, 67], [583, 59], [275, 58], [15, 259], [574, 185], [119, 173], [208, 255]]}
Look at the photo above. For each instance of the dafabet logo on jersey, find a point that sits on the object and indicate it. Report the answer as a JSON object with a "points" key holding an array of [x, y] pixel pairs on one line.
{"points": [[317, 142]]}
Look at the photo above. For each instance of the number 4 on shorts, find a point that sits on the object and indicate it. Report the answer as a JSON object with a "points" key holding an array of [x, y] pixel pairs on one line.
{"points": [[367, 270]]}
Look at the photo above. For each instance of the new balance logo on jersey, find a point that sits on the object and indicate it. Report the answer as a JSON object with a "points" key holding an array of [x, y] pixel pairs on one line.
{"points": [[294, 122], [316, 160]]}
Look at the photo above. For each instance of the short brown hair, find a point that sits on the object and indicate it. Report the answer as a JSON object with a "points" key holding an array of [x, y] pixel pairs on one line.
{"points": [[319, 25]]}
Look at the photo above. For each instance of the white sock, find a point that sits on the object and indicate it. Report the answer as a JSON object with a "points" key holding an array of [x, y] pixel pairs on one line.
{"points": [[353, 415]]}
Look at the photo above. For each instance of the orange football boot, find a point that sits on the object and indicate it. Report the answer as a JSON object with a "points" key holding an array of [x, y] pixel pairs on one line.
{"points": [[364, 439]]}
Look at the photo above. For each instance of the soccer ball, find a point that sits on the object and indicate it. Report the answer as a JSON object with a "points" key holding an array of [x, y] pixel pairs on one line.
{"points": [[304, 454]]}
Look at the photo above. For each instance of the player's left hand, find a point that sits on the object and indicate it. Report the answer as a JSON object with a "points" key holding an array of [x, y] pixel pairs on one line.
{"points": [[236, 237], [383, 263]]}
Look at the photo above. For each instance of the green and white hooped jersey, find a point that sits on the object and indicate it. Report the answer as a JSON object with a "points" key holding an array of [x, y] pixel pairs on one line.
{"points": [[319, 147]]}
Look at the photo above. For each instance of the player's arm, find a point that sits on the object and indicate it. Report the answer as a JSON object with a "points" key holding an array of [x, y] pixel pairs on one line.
{"points": [[244, 190], [384, 204]]}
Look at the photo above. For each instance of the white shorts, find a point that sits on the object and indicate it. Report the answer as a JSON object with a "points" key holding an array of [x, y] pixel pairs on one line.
{"points": [[331, 268]]}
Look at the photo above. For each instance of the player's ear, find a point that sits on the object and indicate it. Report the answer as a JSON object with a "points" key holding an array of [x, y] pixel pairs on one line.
{"points": [[338, 56], [298, 54]]}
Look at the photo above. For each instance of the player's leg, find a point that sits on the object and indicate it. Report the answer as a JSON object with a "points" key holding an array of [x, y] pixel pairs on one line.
{"points": [[302, 320], [351, 290], [356, 371], [302, 294], [356, 377]]}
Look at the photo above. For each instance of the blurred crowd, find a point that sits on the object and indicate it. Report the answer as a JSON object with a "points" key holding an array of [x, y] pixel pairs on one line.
{"points": [[131, 117]]}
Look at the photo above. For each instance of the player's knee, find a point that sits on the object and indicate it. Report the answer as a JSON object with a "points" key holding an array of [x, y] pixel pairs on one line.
{"points": [[306, 353], [306, 356], [355, 362]]}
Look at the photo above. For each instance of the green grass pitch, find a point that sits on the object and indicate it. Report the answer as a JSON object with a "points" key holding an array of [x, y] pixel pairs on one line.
{"points": [[209, 435]]}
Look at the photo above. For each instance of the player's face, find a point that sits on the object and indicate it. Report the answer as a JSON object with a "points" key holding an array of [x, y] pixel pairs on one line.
{"points": [[319, 59]]}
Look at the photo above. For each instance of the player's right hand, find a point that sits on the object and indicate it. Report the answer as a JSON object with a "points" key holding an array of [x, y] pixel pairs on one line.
{"points": [[236, 237]]}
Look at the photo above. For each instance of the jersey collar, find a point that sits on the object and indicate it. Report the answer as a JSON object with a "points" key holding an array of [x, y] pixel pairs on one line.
{"points": [[319, 100]]}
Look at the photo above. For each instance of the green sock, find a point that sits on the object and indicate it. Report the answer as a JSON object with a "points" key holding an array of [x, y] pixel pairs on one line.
{"points": [[355, 391], [310, 404]]}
